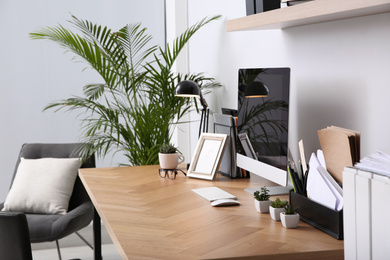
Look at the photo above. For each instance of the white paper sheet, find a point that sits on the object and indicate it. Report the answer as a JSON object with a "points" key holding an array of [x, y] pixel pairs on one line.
{"points": [[333, 186], [317, 188]]}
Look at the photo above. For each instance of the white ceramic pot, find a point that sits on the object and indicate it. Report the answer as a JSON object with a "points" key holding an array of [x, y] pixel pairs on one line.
{"points": [[275, 213], [170, 160], [289, 221], [262, 206]]}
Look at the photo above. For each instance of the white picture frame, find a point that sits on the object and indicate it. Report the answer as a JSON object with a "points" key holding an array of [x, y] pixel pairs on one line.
{"points": [[208, 155], [247, 146]]}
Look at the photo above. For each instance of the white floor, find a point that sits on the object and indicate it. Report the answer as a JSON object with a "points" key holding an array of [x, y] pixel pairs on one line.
{"points": [[85, 253], [73, 247]]}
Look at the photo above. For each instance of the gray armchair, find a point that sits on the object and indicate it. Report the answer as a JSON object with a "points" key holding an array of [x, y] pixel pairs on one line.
{"points": [[47, 228], [14, 236]]}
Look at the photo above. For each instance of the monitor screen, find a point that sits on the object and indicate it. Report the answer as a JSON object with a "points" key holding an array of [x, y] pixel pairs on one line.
{"points": [[264, 120]]}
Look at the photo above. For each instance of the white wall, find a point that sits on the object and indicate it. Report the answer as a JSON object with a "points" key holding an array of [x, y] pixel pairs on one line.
{"points": [[176, 24], [34, 73], [339, 70]]}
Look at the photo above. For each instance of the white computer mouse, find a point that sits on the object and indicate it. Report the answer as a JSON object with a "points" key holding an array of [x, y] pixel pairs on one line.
{"points": [[225, 202]]}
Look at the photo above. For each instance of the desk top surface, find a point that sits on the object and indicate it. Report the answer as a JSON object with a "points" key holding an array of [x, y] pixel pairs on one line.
{"points": [[148, 217]]}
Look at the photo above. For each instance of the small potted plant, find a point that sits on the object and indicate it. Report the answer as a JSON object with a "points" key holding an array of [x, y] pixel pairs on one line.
{"points": [[262, 200], [169, 157], [276, 207], [289, 218]]}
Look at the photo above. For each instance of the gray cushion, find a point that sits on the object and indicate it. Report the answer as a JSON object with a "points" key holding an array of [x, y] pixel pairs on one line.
{"points": [[44, 228]]}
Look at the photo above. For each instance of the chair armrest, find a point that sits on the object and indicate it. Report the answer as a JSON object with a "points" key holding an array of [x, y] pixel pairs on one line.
{"points": [[73, 221]]}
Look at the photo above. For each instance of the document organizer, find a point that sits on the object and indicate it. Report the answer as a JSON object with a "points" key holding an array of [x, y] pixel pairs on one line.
{"points": [[225, 124], [321, 217]]}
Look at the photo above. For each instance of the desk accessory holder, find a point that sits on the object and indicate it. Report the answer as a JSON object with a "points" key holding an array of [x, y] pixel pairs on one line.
{"points": [[321, 217], [226, 124]]}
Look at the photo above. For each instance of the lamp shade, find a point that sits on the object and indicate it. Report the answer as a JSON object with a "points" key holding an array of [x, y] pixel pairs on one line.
{"points": [[256, 89], [187, 88]]}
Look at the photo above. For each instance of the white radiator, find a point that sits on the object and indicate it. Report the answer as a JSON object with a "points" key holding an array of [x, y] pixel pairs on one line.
{"points": [[366, 215]]}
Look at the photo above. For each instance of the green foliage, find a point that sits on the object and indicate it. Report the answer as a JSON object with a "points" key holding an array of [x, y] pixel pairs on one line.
{"points": [[289, 210], [277, 203], [134, 109], [263, 195], [168, 148]]}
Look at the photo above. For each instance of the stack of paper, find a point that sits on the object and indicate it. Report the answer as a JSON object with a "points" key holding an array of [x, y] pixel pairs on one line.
{"points": [[378, 163], [321, 186], [341, 149]]}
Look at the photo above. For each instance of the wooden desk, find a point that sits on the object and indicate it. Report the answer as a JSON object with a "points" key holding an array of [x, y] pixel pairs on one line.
{"points": [[149, 217]]}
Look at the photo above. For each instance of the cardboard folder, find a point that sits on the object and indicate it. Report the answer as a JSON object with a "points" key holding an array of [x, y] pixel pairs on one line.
{"points": [[341, 149]]}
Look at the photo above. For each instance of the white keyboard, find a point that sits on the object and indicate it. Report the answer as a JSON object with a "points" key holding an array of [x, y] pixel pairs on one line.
{"points": [[213, 193]]}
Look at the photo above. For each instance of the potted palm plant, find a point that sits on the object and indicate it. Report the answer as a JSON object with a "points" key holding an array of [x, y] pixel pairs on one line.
{"points": [[133, 110], [289, 218], [261, 199], [276, 207], [169, 157]]}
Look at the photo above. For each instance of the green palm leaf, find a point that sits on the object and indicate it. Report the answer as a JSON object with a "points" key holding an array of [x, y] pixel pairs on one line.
{"points": [[133, 109]]}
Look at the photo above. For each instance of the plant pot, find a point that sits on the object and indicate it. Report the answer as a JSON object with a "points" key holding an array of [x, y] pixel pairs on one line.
{"points": [[170, 160], [275, 213], [289, 221], [262, 206]]}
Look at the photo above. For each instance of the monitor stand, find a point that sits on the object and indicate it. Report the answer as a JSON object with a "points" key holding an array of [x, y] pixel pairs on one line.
{"points": [[273, 190]]}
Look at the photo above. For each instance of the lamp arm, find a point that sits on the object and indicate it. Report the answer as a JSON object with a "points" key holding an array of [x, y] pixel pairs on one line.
{"points": [[204, 119], [203, 101]]}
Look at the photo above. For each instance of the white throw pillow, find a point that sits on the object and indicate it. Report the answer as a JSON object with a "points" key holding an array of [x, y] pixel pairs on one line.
{"points": [[43, 185]]}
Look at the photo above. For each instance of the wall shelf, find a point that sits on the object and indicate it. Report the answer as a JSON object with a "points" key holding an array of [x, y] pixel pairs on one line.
{"points": [[316, 11]]}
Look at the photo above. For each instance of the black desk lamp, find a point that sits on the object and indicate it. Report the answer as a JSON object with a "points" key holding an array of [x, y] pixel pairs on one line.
{"points": [[256, 89], [187, 88]]}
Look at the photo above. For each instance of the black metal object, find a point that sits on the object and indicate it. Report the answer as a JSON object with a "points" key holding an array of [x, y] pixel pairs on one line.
{"points": [[319, 216], [260, 6], [97, 235], [188, 88]]}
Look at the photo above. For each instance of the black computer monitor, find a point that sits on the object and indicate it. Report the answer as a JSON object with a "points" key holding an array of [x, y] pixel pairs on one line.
{"points": [[264, 122]]}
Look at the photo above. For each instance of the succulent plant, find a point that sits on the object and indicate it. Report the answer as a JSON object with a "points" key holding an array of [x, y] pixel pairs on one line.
{"points": [[263, 195], [289, 210], [277, 203], [168, 148]]}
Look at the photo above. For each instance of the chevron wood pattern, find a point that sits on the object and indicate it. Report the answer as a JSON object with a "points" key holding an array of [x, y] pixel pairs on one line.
{"points": [[149, 217]]}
